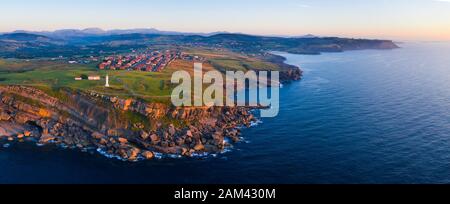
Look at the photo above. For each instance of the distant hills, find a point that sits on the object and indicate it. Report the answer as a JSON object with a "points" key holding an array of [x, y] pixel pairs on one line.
{"points": [[91, 41], [23, 37], [70, 33]]}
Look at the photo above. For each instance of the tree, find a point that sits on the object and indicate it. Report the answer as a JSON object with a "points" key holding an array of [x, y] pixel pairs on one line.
{"points": [[84, 76]]}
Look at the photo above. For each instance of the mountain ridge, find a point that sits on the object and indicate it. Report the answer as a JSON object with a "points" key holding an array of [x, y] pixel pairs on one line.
{"points": [[66, 33]]}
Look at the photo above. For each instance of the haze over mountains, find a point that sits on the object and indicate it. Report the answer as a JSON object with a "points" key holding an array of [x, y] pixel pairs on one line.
{"points": [[68, 33]]}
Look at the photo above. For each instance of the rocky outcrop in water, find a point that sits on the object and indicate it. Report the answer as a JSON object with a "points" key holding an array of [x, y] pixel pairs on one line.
{"points": [[128, 129]]}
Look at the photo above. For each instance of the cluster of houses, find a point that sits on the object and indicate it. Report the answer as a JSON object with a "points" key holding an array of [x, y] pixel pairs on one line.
{"points": [[150, 61], [154, 61]]}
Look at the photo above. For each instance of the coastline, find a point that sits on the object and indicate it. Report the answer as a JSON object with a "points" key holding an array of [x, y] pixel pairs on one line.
{"points": [[288, 72], [30, 115], [258, 138], [51, 122]]}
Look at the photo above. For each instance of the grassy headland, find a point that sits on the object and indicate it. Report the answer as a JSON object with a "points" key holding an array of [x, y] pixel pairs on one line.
{"points": [[51, 76]]}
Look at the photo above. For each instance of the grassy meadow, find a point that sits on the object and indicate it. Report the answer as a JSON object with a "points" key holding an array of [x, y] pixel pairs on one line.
{"points": [[52, 76]]}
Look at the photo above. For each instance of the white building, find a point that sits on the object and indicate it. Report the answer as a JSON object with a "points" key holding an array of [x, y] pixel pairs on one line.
{"points": [[94, 78], [107, 81]]}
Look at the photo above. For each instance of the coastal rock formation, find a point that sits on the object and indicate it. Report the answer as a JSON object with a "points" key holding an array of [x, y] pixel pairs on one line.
{"points": [[288, 73], [128, 129]]}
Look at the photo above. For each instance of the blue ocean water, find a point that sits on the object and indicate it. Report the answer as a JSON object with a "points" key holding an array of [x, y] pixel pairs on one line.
{"points": [[356, 117]]}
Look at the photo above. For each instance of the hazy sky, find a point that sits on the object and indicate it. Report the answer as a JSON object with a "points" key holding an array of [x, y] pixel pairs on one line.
{"points": [[394, 19]]}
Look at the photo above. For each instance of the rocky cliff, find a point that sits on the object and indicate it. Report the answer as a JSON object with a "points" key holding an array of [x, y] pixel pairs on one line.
{"points": [[128, 129]]}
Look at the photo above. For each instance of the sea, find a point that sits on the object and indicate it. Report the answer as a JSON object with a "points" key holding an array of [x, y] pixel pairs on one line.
{"points": [[357, 117]]}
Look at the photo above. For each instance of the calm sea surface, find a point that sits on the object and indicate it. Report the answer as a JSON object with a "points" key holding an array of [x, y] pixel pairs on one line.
{"points": [[357, 117]]}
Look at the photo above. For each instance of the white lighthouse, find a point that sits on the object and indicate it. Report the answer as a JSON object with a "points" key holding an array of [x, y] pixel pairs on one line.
{"points": [[107, 81]]}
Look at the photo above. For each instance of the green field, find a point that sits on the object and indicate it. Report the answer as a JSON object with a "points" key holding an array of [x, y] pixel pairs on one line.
{"points": [[52, 76], [230, 61]]}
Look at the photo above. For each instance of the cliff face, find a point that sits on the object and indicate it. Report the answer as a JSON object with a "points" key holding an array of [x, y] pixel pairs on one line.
{"points": [[124, 128], [288, 73]]}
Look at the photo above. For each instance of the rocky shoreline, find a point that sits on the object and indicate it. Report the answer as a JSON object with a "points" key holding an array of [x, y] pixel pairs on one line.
{"points": [[126, 129], [93, 121]]}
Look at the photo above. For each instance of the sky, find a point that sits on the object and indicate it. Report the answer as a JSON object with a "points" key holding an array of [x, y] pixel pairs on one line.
{"points": [[383, 19]]}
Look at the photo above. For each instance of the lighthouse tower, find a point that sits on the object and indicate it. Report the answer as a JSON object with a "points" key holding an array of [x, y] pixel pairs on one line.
{"points": [[107, 81]]}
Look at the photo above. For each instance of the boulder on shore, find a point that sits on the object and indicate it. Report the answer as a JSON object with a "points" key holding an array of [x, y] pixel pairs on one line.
{"points": [[46, 138], [27, 134], [148, 155], [122, 140], [199, 147], [133, 154]]}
